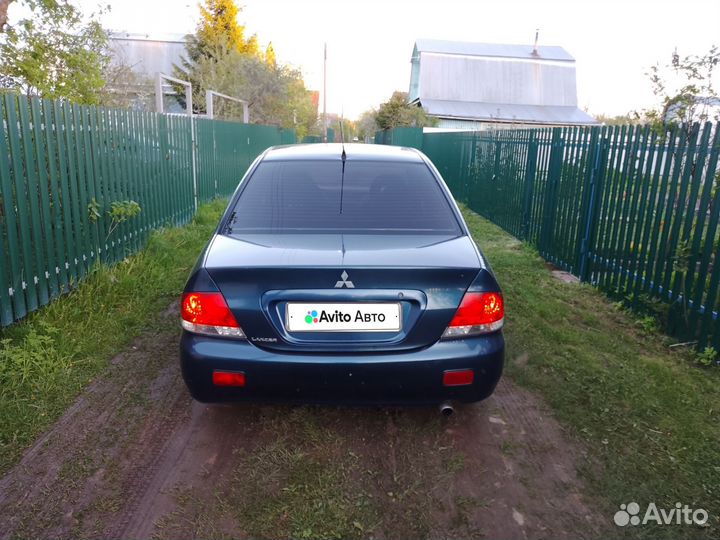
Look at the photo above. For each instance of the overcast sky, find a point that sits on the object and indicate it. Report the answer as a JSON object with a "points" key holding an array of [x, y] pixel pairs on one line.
{"points": [[370, 41]]}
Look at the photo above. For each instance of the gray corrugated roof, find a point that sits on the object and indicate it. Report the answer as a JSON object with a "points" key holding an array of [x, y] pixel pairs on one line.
{"points": [[499, 112], [545, 52], [122, 35]]}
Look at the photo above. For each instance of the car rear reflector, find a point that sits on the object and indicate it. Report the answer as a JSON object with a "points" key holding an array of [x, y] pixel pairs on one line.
{"points": [[458, 377], [228, 378], [479, 313], [207, 313]]}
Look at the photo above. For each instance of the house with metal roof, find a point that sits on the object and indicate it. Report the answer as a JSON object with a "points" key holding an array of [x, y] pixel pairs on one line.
{"points": [[481, 85]]}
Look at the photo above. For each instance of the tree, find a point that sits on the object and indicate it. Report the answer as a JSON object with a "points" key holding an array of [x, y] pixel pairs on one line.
{"points": [[366, 125], [276, 95], [218, 34], [270, 58], [252, 47], [616, 120], [220, 58], [397, 112], [685, 89], [55, 54], [218, 24], [126, 88], [349, 128], [296, 108]]}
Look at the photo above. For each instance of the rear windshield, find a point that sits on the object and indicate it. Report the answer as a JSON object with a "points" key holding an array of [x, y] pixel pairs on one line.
{"points": [[373, 198]]}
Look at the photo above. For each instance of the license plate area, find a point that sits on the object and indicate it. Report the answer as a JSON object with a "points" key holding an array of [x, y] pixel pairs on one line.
{"points": [[343, 317]]}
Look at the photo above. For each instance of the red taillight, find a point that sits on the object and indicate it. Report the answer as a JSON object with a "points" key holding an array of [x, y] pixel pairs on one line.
{"points": [[479, 313], [207, 308], [458, 377], [208, 313], [228, 378], [479, 308]]}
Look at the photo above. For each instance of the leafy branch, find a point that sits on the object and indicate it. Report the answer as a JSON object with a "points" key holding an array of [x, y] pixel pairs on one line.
{"points": [[685, 90], [120, 212]]}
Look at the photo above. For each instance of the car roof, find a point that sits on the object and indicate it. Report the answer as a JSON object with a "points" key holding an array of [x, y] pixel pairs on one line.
{"points": [[332, 151]]}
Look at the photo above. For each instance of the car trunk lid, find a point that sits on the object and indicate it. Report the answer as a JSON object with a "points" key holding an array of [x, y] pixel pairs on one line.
{"points": [[425, 275]]}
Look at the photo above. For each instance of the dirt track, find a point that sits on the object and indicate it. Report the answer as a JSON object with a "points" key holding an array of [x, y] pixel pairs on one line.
{"points": [[135, 457]]}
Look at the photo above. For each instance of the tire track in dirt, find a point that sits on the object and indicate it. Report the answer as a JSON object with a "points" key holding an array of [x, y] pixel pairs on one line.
{"points": [[530, 486], [135, 457], [205, 436], [107, 441], [147, 454], [539, 454]]}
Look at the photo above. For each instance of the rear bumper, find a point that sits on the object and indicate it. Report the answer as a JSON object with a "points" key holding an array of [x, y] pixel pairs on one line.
{"points": [[413, 377]]}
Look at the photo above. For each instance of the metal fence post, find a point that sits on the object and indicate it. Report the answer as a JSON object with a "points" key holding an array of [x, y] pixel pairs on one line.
{"points": [[469, 176], [593, 185], [193, 146], [530, 168], [498, 150], [557, 148]]}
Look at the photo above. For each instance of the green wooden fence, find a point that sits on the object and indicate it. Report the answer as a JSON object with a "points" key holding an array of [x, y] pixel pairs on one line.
{"points": [[63, 165], [627, 209]]}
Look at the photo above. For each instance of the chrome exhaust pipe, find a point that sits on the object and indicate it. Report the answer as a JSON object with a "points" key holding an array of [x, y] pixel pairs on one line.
{"points": [[446, 409]]}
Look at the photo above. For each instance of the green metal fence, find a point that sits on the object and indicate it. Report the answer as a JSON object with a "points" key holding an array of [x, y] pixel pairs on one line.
{"points": [[63, 165], [627, 209], [401, 136]]}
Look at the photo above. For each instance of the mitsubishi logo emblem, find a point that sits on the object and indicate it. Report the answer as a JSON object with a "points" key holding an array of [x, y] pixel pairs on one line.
{"points": [[344, 282]]}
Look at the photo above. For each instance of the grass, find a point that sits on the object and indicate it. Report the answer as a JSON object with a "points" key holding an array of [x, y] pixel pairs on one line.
{"points": [[649, 417], [47, 359]]}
